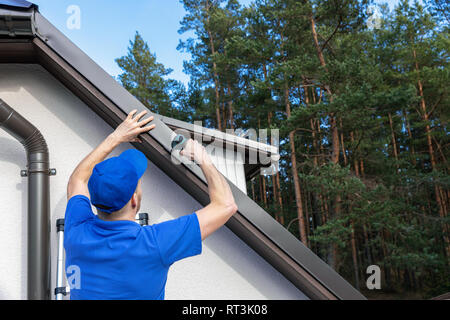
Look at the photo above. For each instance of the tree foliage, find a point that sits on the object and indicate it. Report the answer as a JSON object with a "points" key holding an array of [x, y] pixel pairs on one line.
{"points": [[363, 114]]}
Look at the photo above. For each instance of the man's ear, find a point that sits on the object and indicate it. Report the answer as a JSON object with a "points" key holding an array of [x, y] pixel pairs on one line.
{"points": [[134, 200]]}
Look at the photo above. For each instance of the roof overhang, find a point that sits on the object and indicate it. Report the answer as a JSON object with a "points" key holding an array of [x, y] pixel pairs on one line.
{"points": [[256, 155], [66, 62]]}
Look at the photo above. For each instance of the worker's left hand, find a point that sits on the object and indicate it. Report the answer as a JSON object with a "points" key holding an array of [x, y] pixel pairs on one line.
{"points": [[132, 127]]}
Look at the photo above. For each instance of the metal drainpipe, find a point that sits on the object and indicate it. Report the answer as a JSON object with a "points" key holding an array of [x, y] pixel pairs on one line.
{"points": [[38, 173]]}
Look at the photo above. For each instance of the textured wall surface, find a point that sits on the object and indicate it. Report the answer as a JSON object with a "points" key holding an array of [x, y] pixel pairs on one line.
{"points": [[227, 269]]}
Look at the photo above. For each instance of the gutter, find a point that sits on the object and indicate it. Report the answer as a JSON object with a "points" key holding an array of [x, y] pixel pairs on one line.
{"points": [[15, 23], [38, 173]]}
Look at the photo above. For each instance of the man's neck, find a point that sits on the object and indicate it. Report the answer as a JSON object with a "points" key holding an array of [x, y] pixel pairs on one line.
{"points": [[117, 216]]}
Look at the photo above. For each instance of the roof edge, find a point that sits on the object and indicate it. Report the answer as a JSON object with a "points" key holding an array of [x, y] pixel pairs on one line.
{"points": [[260, 146]]}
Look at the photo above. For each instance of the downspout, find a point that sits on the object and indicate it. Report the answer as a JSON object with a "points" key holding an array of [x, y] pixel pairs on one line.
{"points": [[38, 173]]}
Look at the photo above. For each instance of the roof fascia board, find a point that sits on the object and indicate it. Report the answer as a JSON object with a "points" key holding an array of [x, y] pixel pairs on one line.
{"points": [[254, 159], [17, 51], [220, 135]]}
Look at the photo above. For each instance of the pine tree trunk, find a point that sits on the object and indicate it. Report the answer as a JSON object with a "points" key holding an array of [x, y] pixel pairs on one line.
{"points": [[344, 154], [335, 141], [297, 188], [394, 142], [334, 135], [280, 198], [362, 168], [355, 256], [316, 43], [307, 215], [444, 158], [334, 129], [230, 107], [216, 77], [355, 160], [353, 240], [314, 139], [264, 191]]}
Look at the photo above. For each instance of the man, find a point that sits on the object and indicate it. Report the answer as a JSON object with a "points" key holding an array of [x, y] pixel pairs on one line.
{"points": [[115, 256]]}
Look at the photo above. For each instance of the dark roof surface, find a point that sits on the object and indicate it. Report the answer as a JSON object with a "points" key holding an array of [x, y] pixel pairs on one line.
{"points": [[66, 62]]}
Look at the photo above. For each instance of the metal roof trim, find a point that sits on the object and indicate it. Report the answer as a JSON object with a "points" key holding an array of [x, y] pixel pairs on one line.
{"points": [[221, 135], [15, 23]]}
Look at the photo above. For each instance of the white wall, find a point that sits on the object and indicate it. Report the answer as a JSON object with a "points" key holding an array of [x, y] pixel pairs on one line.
{"points": [[227, 269]]}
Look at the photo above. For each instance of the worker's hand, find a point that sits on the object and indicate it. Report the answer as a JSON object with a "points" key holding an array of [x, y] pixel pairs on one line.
{"points": [[132, 127], [195, 151]]}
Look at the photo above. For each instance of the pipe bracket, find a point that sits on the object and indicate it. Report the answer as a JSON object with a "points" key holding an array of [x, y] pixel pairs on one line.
{"points": [[26, 173]]}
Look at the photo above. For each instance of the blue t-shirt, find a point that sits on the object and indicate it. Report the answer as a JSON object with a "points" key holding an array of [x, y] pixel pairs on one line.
{"points": [[121, 260]]}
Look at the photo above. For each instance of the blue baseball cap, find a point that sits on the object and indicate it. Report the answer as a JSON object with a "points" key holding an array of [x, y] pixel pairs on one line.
{"points": [[114, 181]]}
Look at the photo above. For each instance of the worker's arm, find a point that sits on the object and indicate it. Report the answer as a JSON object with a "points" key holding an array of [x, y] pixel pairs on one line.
{"points": [[222, 206], [128, 131]]}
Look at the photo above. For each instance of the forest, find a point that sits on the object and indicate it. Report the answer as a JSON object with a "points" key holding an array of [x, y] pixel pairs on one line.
{"points": [[361, 101]]}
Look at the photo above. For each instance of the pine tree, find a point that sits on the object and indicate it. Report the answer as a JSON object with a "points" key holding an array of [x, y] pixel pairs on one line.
{"points": [[146, 79]]}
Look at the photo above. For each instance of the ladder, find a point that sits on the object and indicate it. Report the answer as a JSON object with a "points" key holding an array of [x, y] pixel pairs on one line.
{"points": [[62, 290]]}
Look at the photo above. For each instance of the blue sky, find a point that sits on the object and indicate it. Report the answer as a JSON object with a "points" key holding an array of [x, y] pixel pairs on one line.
{"points": [[107, 26]]}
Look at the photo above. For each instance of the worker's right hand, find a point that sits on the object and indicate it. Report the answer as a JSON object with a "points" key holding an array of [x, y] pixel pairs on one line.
{"points": [[132, 127], [195, 151]]}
